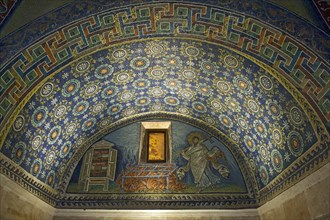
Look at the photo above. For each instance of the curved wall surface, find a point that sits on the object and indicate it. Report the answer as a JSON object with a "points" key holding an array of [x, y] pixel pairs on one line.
{"points": [[250, 75]]}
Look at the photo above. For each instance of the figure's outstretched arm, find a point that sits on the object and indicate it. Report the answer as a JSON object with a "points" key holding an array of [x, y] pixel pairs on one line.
{"points": [[203, 140], [184, 153]]}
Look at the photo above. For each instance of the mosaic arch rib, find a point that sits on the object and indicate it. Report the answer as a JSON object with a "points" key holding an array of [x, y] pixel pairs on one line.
{"points": [[200, 80], [304, 63]]}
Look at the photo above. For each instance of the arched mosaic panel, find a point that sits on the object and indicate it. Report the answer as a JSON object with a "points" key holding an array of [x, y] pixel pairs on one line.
{"points": [[198, 79], [244, 74], [126, 141]]}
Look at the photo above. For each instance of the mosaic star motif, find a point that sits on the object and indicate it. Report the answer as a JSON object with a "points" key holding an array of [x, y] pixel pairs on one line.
{"points": [[190, 77]]}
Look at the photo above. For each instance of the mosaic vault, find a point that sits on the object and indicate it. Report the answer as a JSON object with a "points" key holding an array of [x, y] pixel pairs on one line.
{"points": [[234, 78]]}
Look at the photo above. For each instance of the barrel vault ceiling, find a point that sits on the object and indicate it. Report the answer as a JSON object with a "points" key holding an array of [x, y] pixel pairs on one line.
{"points": [[249, 72]]}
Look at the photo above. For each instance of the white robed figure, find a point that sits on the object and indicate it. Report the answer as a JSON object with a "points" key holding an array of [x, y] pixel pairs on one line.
{"points": [[200, 158]]}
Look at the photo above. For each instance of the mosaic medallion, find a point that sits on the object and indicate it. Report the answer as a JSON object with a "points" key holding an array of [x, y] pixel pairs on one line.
{"points": [[157, 107], [249, 142], [126, 96], [71, 128], [19, 123], [119, 54], [89, 124], [253, 105], [172, 61], [273, 108], [184, 110], [139, 63], [187, 94], [232, 104], [104, 71], [252, 164], [157, 92], [18, 152], [171, 100], [36, 167], [54, 134], [209, 120], [141, 84], [243, 85], [105, 122], [216, 104], [129, 112], [223, 86], [226, 121], [50, 156], [277, 136], [260, 128], [82, 66], [189, 74], [79, 142], [142, 101], [277, 160], [264, 153], [235, 137], [173, 84], [199, 107], [91, 90], [122, 77], [263, 175], [204, 89], [47, 89], [80, 108], [60, 111], [99, 107], [70, 87], [295, 143], [114, 109], [157, 73], [296, 116], [109, 92], [50, 178], [266, 83], [208, 67], [243, 123], [36, 142], [65, 149], [231, 61], [191, 51], [39, 116]]}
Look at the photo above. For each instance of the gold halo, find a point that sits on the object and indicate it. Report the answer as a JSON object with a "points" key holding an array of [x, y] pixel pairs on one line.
{"points": [[194, 134]]}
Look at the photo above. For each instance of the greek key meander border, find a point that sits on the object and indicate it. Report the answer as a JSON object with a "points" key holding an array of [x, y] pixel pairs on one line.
{"points": [[249, 18], [288, 85], [228, 6], [307, 109], [279, 77]]}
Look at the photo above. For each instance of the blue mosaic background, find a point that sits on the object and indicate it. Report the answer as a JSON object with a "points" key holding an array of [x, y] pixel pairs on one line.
{"points": [[189, 77], [127, 141]]}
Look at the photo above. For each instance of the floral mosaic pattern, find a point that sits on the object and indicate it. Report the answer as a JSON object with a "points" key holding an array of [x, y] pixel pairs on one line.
{"points": [[193, 78]]}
